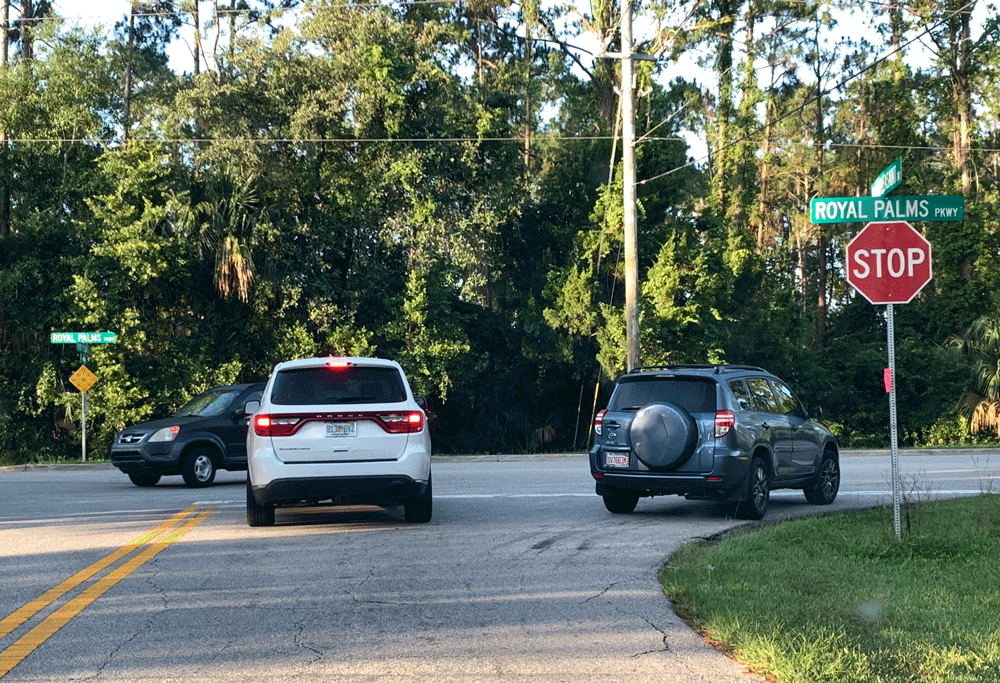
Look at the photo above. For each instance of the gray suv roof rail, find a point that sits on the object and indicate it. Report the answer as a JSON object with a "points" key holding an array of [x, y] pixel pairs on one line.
{"points": [[733, 368], [678, 366], [719, 369]]}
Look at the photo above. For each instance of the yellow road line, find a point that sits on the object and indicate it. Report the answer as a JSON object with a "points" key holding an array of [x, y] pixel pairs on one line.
{"points": [[28, 643], [32, 608]]}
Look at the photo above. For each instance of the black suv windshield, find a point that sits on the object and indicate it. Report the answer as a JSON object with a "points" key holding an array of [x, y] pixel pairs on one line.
{"points": [[209, 404], [336, 385], [694, 395]]}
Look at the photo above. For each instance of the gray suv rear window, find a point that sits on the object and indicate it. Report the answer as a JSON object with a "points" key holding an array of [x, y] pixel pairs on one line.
{"points": [[337, 386], [694, 395]]}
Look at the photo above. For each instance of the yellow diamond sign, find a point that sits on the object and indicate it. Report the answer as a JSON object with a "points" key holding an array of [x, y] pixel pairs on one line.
{"points": [[83, 379]]}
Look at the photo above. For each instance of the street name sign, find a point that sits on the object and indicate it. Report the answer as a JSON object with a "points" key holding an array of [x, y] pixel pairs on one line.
{"points": [[83, 337], [889, 263], [889, 179], [875, 209]]}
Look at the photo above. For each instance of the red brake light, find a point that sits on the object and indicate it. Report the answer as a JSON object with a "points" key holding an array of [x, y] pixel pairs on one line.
{"points": [[410, 422], [599, 422], [725, 420], [337, 363], [402, 423], [269, 425]]}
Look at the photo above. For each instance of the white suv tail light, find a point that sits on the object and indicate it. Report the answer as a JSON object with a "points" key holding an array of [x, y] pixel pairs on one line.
{"points": [[405, 422]]}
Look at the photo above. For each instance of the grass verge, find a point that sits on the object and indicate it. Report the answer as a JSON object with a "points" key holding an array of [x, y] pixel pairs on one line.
{"points": [[837, 598]]}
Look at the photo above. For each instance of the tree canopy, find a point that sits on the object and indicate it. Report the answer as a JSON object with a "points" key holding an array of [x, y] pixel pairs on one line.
{"points": [[441, 183]]}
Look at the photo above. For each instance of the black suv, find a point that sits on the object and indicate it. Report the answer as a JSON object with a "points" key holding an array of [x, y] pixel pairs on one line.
{"points": [[208, 433], [710, 432]]}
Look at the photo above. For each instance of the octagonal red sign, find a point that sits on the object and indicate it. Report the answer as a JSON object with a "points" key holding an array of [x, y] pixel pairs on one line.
{"points": [[889, 263]]}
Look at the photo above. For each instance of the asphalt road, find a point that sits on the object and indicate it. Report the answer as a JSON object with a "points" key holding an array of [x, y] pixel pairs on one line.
{"points": [[521, 575]]}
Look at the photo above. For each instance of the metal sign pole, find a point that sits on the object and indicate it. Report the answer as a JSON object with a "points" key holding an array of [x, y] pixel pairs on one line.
{"points": [[84, 350], [83, 446], [896, 493]]}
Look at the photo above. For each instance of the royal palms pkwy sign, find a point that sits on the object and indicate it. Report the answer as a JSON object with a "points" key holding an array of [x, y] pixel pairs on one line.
{"points": [[869, 209], [889, 263]]}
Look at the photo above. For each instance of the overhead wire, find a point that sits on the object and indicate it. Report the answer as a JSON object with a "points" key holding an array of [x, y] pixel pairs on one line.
{"points": [[966, 8]]}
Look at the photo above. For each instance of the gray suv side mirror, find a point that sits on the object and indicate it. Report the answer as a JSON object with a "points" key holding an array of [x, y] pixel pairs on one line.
{"points": [[815, 413]]}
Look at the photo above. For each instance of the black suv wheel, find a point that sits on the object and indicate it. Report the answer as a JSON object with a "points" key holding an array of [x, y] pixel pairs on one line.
{"points": [[198, 468]]}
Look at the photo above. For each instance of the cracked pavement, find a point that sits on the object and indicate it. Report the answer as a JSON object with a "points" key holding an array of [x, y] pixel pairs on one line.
{"points": [[521, 575]]}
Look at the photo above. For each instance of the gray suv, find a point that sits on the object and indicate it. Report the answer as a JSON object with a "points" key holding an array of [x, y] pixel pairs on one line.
{"points": [[710, 432]]}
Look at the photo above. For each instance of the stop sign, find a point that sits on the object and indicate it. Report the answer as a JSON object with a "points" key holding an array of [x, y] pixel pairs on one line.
{"points": [[889, 262]]}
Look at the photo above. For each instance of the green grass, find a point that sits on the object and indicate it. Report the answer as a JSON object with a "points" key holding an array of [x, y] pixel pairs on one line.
{"points": [[837, 598]]}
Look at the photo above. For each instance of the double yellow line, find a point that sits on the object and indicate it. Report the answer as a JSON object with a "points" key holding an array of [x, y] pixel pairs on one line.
{"points": [[30, 641]]}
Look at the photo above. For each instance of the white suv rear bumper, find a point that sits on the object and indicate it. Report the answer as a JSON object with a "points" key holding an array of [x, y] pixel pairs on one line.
{"points": [[265, 468]]}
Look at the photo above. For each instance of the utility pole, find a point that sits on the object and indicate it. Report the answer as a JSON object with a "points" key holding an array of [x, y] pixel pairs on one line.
{"points": [[627, 94], [628, 192]]}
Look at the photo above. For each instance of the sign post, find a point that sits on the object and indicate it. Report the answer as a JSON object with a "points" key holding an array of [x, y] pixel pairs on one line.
{"points": [[83, 379], [889, 263]]}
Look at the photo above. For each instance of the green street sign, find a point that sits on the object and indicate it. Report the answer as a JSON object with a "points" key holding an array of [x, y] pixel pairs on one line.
{"points": [[889, 179], [881, 209], [83, 337]]}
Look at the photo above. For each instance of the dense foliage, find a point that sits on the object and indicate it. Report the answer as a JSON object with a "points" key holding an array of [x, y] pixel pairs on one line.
{"points": [[440, 183]]}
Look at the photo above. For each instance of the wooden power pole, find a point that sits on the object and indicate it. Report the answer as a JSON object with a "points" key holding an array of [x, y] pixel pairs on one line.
{"points": [[628, 192]]}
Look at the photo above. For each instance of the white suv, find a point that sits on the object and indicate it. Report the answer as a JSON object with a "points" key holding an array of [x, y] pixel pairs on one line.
{"points": [[339, 430]]}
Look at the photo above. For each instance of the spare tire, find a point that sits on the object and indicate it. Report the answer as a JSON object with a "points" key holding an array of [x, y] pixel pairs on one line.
{"points": [[663, 435]]}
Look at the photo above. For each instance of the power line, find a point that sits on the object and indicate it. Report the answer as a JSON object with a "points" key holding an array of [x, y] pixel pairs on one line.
{"points": [[540, 137]]}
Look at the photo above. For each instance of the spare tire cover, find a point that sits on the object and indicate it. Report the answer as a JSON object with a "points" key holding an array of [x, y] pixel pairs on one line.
{"points": [[663, 435]]}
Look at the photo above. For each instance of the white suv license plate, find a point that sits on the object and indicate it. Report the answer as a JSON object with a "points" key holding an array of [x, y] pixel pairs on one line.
{"points": [[340, 429], [615, 460]]}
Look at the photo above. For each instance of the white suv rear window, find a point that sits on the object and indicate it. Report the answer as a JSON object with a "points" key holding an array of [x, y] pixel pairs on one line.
{"points": [[326, 385]]}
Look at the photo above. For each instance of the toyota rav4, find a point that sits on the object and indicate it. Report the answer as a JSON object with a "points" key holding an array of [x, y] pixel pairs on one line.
{"points": [[710, 432]]}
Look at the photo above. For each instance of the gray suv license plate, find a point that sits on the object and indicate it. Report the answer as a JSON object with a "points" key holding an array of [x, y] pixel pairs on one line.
{"points": [[616, 460]]}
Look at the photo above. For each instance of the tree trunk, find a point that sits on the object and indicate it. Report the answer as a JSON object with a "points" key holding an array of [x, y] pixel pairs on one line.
{"points": [[527, 100], [6, 34], [27, 29], [819, 141], [765, 227], [196, 20], [127, 90], [5, 188], [961, 59]]}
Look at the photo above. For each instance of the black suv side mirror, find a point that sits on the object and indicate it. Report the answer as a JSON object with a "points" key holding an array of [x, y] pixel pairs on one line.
{"points": [[249, 408], [815, 413]]}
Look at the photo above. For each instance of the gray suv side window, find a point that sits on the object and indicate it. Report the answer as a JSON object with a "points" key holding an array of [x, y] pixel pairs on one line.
{"points": [[787, 403], [763, 398], [740, 393]]}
